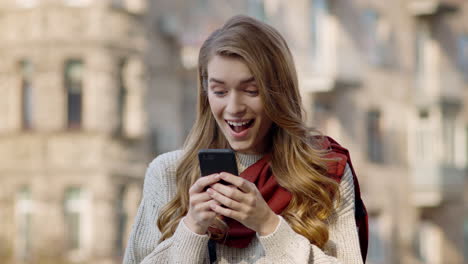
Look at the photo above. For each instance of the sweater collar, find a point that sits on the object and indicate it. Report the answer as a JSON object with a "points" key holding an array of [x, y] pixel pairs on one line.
{"points": [[246, 160]]}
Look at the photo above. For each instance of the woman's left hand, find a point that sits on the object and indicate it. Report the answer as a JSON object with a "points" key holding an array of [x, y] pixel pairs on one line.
{"points": [[244, 203]]}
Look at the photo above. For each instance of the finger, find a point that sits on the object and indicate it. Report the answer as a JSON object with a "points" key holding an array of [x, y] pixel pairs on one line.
{"points": [[241, 183], [228, 212], [228, 202], [206, 206], [203, 182], [199, 198], [230, 191]]}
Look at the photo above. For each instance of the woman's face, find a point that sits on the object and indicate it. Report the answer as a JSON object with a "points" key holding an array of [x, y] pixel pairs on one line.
{"points": [[236, 104]]}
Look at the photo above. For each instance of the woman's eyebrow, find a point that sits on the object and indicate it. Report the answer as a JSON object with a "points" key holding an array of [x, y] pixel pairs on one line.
{"points": [[244, 81], [248, 80], [216, 81]]}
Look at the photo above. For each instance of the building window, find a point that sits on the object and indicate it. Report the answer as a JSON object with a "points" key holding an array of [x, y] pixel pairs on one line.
{"points": [[423, 136], [448, 131], [118, 3], [463, 54], [374, 137], [77, 2], [465, 150], [256, 8], [318, 15], [26, 69], [428, 242], [371, 23], [378, 37], [465, 235], [24, 209], [422, 44], [74, 206], [321, 115], [27, 3], [376, 253], [122, 218], [74, 86], [122, 95]]}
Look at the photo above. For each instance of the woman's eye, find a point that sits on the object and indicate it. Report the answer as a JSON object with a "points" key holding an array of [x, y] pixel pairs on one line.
{"points": [[252, 92], [219, 93]]}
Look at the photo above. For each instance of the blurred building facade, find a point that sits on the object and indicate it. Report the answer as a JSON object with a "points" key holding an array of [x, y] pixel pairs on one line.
{"points": [[92, 90], [388, 80]]}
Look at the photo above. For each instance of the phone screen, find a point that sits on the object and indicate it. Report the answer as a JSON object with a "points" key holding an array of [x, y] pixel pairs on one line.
{"points": [[216, 161]]}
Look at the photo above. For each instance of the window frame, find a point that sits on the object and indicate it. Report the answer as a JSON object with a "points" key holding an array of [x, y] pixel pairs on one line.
{"points": [[26, 91], [463, 54], [317, 22], [122, 95], [74, 109], [375, 144], [256, 8], [26, 4], [73, 207], [24, 214], [422, 67]]}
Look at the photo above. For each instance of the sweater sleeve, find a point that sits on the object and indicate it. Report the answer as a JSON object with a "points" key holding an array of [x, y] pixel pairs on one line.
{"points": [[143, 247], [284, 245]]}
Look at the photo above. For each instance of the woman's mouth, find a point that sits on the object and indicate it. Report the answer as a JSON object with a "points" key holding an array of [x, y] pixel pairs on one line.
{"points": [[240, 126]]}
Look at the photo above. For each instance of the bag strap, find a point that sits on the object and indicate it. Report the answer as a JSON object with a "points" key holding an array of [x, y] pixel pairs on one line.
{"points": [[360, 212], [212, 251]]}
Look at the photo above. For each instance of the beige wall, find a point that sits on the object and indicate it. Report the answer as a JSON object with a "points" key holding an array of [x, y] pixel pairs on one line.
{"points": [[100, 160], [161, 99]]}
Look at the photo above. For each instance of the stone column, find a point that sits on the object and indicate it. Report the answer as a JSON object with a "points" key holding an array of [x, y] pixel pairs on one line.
{"points": [[10, 115], [103, 219], [134, 121], [7, 224], [50, 93], [48, 220], [100, 92], [450, 219]]}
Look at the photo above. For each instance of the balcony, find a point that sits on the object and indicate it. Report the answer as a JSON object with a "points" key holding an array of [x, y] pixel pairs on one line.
{"points": [[69, 152], [337, 61], [137, 7], [432, 7], [432, 184]]}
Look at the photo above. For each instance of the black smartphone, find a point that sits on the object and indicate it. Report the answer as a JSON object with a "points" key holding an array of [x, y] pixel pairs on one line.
{"points": [[217, 160]]}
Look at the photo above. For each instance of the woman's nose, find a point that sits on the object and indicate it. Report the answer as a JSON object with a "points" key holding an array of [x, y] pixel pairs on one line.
{"points": [[235, 104]]}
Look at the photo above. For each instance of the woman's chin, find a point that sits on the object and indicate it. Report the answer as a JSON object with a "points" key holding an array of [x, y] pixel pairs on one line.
{"points": [[239, 147], [243, 148]]}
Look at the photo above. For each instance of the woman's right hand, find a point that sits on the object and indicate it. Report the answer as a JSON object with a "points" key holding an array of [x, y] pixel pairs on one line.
{"points": [[200, 215]]}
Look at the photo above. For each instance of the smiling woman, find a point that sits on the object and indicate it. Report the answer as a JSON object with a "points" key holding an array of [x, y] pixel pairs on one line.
{"points": [[293, 201], [236, 105]]}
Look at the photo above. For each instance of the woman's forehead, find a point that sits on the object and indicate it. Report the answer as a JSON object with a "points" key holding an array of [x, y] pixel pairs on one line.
{"points": [[228, 69]]}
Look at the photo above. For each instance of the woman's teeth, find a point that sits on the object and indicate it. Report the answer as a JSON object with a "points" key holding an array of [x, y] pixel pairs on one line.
{"points": [[240, 126], [238, 123]]}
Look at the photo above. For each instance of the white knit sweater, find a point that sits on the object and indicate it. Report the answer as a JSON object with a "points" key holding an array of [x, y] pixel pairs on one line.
{"points": [[282, 246]]}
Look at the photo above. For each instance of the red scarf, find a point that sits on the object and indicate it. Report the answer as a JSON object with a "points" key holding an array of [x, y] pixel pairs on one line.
{"points": [[277, 197]]}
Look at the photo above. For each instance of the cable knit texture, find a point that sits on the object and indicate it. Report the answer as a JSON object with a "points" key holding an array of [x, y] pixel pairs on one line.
{"points": [[282, 246]]}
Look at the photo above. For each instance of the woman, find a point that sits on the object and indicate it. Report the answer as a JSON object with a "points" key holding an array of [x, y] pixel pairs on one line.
{"points": [[284, 208]]}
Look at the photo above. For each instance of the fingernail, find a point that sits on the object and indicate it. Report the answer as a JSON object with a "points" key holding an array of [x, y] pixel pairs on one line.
{"points": [[217, 176], [210, 191]]}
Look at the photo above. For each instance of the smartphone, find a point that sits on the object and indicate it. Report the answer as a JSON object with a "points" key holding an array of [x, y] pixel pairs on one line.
{"points": [[216, 161]]}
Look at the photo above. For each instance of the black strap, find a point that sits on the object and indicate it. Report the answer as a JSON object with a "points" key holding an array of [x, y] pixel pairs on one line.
{"points": [[212, 250]]}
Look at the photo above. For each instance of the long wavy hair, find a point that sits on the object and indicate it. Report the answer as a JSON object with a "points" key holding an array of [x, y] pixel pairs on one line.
{"points": [[297, 161]]}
